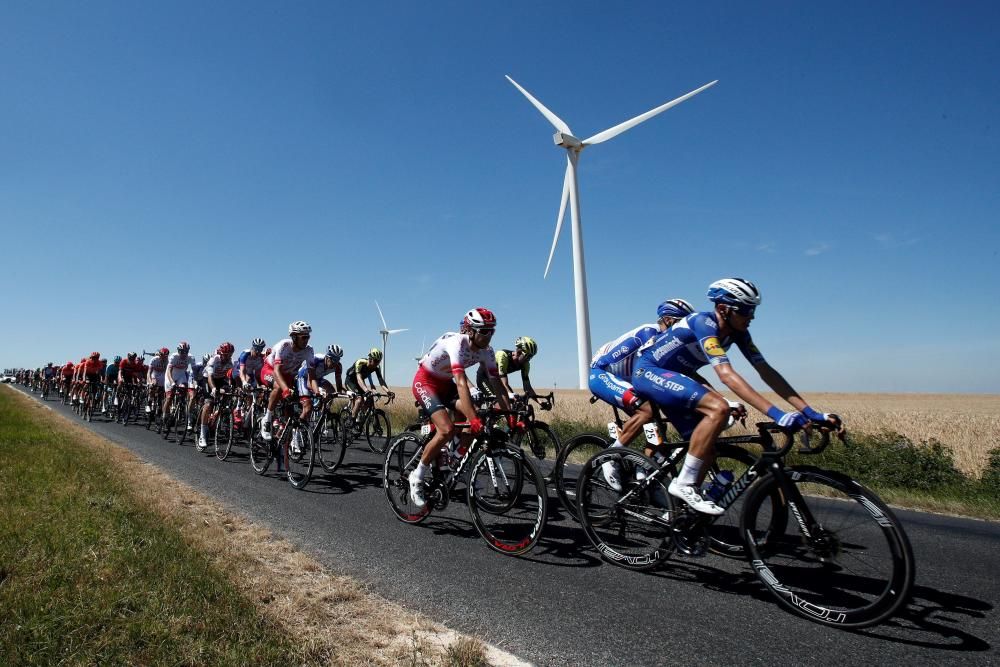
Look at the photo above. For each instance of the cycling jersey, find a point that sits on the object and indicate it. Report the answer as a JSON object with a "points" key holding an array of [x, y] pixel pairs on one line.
{"points": [[67, 371], [218, 367], [250, 363], [452, 353], [694, 342], [617, 356], [179, 369], [319, 367], [505, 366], [130, 370], [362, 370], [48, 372], [286, 358], [111, 374], [92, 368]]}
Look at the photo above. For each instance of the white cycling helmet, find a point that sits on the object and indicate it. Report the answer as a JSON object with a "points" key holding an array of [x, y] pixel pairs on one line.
{"points": [[258, 344], [734, 292], [299, 327], [335, 351]]}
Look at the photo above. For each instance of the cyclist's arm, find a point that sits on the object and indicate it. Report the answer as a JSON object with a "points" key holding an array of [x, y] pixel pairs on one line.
{"points": [[736, 384], [381, 380], [340, 384], [775, 381], [529, 391], [502, 384], [211, 383], [279, 377]]}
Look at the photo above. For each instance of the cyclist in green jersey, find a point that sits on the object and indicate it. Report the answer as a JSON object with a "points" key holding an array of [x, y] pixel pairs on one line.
{"points": [[508, 361], [360, 371]]}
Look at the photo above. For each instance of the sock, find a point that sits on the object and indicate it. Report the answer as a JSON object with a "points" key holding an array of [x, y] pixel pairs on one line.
{"points": [[267, 418], [617, 443], [204, 432], [421, 470], [689, 473]]}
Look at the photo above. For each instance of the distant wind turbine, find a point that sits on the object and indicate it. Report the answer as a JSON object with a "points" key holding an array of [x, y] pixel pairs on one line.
{"points": [[570, 192], [423, 342], [385, 332]]}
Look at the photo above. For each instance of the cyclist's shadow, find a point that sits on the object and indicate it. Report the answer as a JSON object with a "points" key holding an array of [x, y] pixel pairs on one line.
{"points": [[931, 619]]}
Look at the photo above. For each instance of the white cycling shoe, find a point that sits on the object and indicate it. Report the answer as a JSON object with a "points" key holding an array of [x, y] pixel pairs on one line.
{"points": [[612, 475], [693, 496], [266, 434], [417, 490]]}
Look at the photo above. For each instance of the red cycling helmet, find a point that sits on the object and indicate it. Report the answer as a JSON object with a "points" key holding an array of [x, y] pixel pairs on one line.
{"points": [[480, 319], [164, 351], [225, 348], [95, 355]]}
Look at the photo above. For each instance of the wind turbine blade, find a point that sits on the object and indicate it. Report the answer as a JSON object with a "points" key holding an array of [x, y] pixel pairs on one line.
{"points": [[618, 129], [559, 220], [382, 317], [556, 121], [392, 331]]}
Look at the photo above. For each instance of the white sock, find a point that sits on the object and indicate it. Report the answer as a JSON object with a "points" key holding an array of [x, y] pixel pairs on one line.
{"points": [[267, 418], [689, 473], [617, 443], [420, 470], [204, 432]]}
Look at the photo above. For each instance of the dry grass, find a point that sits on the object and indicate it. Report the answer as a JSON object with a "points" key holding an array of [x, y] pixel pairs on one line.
{"points": [[967, 423], [342, 622]]}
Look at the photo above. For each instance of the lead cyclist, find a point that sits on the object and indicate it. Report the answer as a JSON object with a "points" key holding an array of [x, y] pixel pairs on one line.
{"points": [[666, 373]]}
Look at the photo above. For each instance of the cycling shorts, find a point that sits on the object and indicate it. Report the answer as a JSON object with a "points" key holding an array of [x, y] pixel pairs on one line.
{"points": [[267, 373], [432, 392], [613, 390], [677, 396]]}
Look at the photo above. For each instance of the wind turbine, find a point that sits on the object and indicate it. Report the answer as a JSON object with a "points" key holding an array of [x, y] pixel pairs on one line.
{"points": [[385, 331], [571, 193], [423, 344]]}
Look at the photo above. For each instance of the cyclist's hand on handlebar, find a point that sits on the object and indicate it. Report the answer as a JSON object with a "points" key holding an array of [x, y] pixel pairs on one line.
{"points": [[827, 419], [511, 422], [475, 425], [790, 421], [285, 393]]}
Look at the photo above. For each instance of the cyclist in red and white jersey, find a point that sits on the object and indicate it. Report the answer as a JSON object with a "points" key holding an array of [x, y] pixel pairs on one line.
{"points": [[441, 379], [218, 371], [178, 376], [279, 370], [156, 373]]}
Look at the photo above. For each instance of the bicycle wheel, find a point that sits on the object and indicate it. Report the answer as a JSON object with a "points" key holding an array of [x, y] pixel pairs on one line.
{"points": [[298, 454], [724, 536], [180, 417], [378, 431], [541, 440], [261, 453], [401, 457], [845, 561], [571, 458], [632, 527], [224, 434], [507, 499], [331, 443]]}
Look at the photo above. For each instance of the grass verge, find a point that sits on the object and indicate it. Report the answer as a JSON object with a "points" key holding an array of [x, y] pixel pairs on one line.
{"points": [[105, 560]]}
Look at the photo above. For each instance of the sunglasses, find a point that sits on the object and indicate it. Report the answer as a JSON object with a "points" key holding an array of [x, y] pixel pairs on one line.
{"points": [[744, 311]]}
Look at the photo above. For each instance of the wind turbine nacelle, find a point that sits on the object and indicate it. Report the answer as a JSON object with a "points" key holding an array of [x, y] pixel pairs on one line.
{"points": [[566, 140]]}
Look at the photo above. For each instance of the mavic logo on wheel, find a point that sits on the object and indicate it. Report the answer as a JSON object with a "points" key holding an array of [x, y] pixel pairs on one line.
{"points": [[631, 560], [873, 509], [765, 573]]}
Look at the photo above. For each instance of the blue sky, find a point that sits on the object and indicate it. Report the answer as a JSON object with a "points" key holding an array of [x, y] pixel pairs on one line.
{"points": [[212, 171]]}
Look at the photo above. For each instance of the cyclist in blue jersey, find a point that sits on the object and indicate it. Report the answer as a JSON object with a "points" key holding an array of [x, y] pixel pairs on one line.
{"points": [[666, 372], [321, 366], [611, 371], [247, 366]]}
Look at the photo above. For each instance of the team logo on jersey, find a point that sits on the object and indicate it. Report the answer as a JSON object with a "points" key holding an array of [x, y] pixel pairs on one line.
{"points": [[713, 347]]}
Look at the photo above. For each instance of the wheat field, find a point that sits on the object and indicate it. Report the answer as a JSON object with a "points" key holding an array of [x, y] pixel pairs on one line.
{"points": [[967, 423]]}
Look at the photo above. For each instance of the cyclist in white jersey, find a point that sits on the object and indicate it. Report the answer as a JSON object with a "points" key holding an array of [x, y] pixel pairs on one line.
{"points": [[279, 370], [179, 375], [156, 375], [441, 379]]}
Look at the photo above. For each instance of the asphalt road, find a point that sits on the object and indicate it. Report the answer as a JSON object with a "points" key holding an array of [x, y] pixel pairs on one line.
{"points": [[561, 605]]}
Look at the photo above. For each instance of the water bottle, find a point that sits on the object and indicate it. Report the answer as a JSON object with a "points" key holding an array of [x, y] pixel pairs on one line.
{"points": [[717, 487]]}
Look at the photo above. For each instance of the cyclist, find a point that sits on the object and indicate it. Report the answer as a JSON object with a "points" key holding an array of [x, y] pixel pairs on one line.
{"points": [[611, 370], [198, 373], [362, 370], [130, 369], [666, 373], [49, 373], [66, 375], [78, 379], [178, 376], [110, 377], [278, 372], [218, 370], [246, 368], [441, 380], [156, 374], [508, 361], [93, 370]]}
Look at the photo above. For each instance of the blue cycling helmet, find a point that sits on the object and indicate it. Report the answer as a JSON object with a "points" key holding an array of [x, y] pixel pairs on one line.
{"points": [[675, 308], [734, 292]]}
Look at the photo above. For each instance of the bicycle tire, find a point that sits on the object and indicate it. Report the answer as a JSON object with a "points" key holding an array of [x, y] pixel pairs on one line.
{"points": [[571, 459], [853, 568], [298, 466], [517, 528], [330, 449], [261, 453], [378, 431], [631, 528], [223, 436], [540, 438], [401, 458]]}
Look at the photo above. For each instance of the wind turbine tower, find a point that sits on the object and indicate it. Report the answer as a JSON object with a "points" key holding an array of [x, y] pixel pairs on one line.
{"points": [[385, 332], [570, 193]]}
